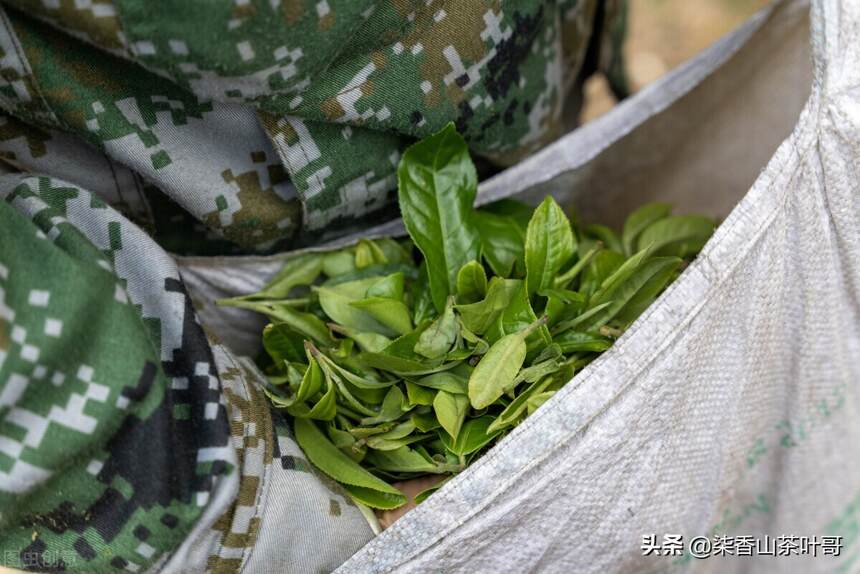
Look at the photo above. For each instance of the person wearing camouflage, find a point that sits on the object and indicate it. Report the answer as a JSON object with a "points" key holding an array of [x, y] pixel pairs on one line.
{"points": [[135, 130]]}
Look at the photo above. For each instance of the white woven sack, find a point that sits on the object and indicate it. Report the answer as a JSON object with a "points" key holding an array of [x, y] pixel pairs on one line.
{"points": [[731, 407]]}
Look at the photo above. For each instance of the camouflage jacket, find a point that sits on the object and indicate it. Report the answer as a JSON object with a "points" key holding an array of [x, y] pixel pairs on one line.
{"points": [[131, 440]]}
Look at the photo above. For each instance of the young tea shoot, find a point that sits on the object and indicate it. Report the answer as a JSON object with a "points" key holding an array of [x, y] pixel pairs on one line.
{"points": [[399, 358]]}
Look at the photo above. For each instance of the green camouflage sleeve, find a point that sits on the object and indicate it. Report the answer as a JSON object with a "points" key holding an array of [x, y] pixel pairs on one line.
{"points": [[128, 440], [280, 123]]}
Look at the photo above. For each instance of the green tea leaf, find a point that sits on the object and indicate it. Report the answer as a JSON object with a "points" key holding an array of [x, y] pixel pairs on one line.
{"points": [[652, 279], [419, 395], [348, 394], [517, 316], [301, 270], [324, 409], [445, 381], [403, 459], [425, 422], [562, 304], [278, 399], [517, 407], [471, 282], [423, 309], [359, 381], [404, 346], [364, 432], [392, 408], [372, 273], [311, 326], [582, 319], [370, 397], [450, 411], [345, 442], [307, 324], [413, 361], [539, 370], [498, 368], [606, 236], [479, 345], [337, 304], [395, 252], [330, 460], [460, 353], [401, 430], [607, 288], [475, 435], [390, 287], [639, 220], [678, 235], [374, 498], [578, 342], [549, 245], [437, 183], [502, 243], [396, 437], [400, 358], [312, 381], [339, 262], [370, 342], [381, 444], [348, 445], [535, 402], [568, 276], [437, 339], [602, 266], [355, 289], [552, 351], [367, 253], [392, 313], [480, 316], [297, 271], [286, 373], [402, 366], [633, 293], [282, 343]]}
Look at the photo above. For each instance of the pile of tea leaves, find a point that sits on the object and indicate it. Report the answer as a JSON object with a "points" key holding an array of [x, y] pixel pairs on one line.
{"points": [[402, 358]]}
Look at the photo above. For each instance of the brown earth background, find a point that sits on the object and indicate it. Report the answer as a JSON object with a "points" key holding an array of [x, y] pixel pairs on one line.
{"points": [[665, 33]]}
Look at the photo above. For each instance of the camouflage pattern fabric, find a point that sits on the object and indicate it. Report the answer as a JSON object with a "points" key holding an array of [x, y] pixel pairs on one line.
{"points": [[130, 439], [276, 122], [108, 383]]}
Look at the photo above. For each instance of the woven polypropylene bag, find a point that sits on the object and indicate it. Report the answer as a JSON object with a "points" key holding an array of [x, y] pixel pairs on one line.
{"points": [[731, 406]]}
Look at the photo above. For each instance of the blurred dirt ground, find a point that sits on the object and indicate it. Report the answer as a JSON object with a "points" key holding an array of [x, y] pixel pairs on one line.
{"points": [[663, 34]]}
